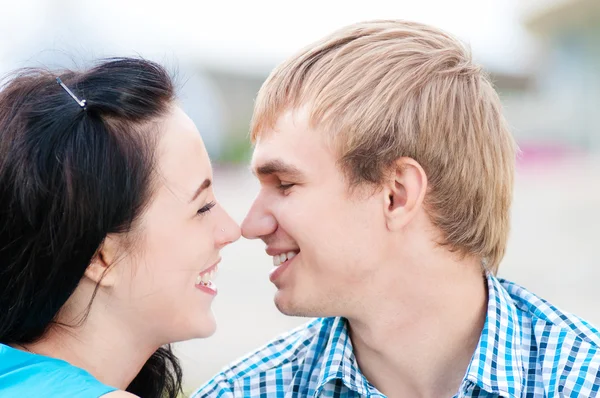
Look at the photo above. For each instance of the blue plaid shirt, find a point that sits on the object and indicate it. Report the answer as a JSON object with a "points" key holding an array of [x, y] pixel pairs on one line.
{"points": [[528, 348]]}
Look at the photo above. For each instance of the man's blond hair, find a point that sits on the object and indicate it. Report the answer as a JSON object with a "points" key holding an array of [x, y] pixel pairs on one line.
{"points": [[390, 89]]}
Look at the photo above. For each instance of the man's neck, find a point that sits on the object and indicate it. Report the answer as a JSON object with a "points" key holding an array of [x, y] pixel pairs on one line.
{"points": [[418, 340]]}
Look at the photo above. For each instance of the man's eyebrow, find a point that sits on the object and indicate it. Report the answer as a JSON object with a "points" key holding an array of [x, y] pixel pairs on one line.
{"points": [[277, 166]]}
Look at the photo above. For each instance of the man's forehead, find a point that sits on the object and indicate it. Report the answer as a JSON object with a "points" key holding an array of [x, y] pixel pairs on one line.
{"points": [[291, 124], [272, 145], [290, 147]]}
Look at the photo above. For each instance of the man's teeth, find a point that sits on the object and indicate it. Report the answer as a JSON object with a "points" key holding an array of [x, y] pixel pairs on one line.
{"points": [[282, 258], [206, 277]]}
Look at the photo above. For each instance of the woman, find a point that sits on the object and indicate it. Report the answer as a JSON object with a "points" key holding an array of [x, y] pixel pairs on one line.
{"points": [[109, 233]]}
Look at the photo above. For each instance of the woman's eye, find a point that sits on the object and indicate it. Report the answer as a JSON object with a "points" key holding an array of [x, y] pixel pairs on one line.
{"points": [[206, 208]]}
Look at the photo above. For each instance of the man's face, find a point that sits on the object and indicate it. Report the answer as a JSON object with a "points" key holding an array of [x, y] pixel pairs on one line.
{"points": [[326, 243]]}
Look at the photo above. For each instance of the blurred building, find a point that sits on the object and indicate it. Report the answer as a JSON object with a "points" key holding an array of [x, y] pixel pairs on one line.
{"points": [[560, 103], [236, 90]]}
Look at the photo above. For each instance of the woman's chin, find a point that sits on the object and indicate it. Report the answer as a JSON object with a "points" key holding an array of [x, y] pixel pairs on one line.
{"points": [[194, 327], [207, 331], [204, 327]]}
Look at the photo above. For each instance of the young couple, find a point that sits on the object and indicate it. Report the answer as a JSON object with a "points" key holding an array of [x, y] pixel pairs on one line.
{"points": [[386, 171]]}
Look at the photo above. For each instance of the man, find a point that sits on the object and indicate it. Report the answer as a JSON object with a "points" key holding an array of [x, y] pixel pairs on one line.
{"points": [[386, 171]]}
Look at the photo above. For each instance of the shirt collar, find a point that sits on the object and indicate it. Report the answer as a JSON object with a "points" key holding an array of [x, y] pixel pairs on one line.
{"points": [[497, 365], [340, 362]]}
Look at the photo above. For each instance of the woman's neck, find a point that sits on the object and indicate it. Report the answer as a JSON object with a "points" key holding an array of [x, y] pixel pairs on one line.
{"points": [[102, 344]]}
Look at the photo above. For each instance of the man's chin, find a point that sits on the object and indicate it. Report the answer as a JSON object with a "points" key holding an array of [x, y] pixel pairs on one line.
{"points": [[284, 304], [294, 307]]}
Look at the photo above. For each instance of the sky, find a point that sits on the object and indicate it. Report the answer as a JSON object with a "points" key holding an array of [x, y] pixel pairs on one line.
{"points": [[245, 36]]}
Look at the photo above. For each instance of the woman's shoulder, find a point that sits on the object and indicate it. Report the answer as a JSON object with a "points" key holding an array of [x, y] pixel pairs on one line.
{"points": [[119, 394], [27, 374]]}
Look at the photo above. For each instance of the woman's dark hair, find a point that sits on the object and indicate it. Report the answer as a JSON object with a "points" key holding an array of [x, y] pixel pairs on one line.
{"points": [[68, 177]]}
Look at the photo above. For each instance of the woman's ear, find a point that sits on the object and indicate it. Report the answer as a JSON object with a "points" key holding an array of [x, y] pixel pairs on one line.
{"points": [[100, 268]]}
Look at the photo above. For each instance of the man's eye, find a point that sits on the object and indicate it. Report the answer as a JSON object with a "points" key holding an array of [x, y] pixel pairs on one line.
{"points": [[284, 186]]}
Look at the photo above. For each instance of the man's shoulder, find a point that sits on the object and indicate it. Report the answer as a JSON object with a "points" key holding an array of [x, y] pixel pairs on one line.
{"points": [[561, 343], [284, 351], [548, 322]]}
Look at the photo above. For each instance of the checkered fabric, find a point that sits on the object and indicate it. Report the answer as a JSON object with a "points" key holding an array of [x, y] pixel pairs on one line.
{"points": [[528, 348]]}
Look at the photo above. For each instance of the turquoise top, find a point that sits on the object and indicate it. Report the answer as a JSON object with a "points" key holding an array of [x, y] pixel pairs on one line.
{"points": [[23, 374]]}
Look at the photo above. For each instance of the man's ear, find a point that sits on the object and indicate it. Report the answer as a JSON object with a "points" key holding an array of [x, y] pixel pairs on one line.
{"points": [[403, 192], [100, 269]]}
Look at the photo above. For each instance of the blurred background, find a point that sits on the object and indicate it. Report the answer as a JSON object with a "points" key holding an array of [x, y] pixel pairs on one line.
{"points": [[543, 55]]}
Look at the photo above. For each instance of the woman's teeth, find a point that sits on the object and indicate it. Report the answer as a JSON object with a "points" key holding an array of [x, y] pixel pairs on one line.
{"points": [[206, 277], [282, 258]]}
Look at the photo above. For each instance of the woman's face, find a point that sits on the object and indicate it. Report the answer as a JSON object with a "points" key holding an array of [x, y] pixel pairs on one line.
{"points": [[164, 283]]}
